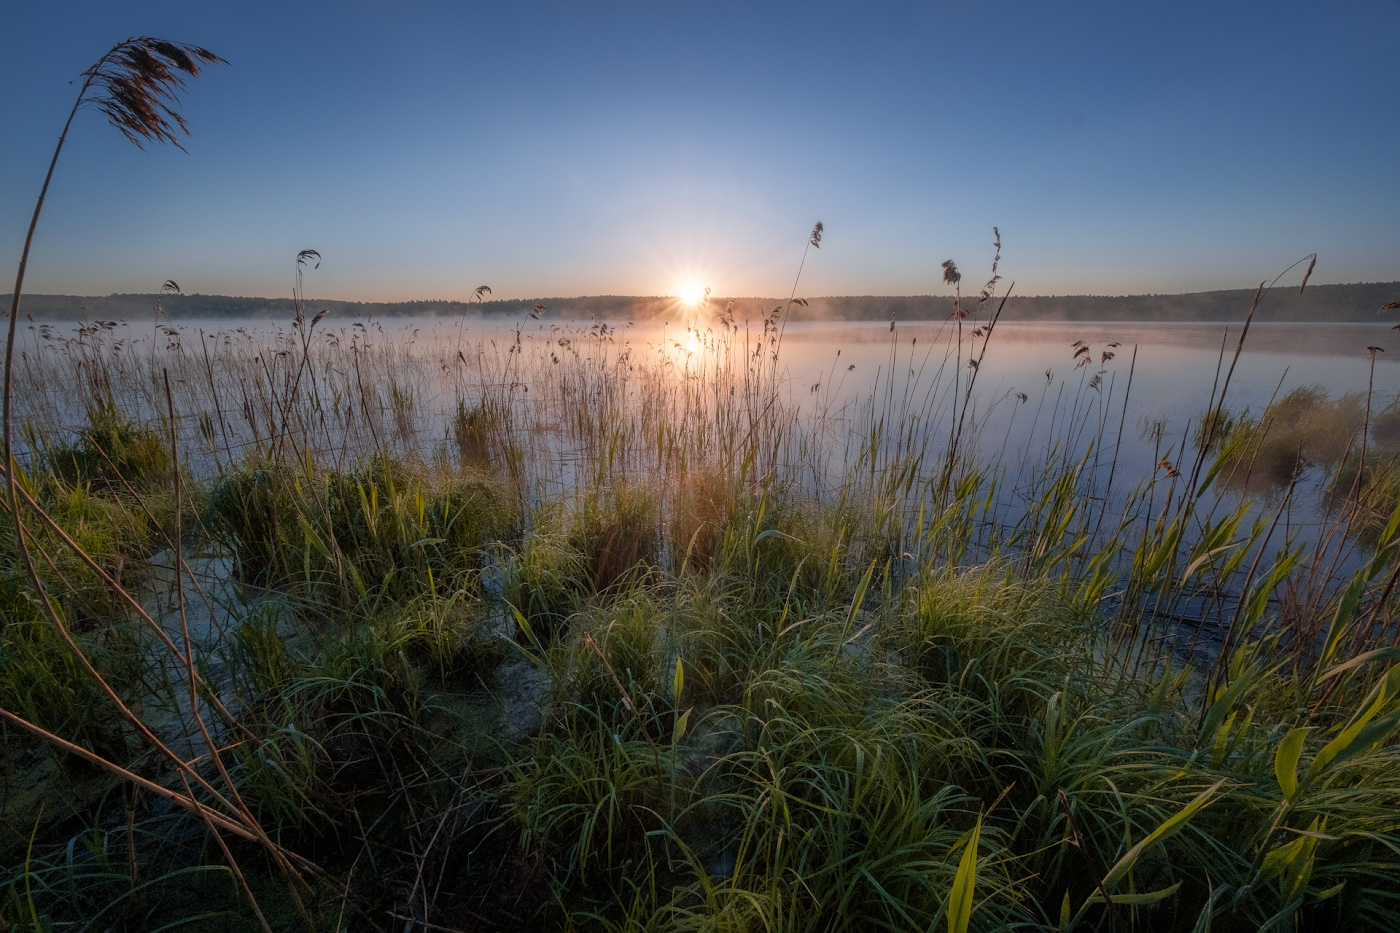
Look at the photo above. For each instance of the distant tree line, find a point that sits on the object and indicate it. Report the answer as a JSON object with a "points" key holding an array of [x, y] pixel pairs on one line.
{"points": [[1356, 302]]}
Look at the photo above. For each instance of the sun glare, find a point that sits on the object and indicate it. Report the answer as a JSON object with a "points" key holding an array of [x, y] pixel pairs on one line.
{"points": [[690, 295]]}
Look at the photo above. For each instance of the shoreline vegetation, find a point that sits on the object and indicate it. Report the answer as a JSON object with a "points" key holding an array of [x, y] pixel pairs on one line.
{"points": [[643, 638], [1354, 303]]}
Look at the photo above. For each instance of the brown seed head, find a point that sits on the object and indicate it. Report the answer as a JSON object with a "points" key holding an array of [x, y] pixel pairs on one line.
{"points": [[136, 86]]}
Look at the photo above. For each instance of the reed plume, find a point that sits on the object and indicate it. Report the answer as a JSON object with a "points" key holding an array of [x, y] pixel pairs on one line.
{"points": [[135, 85]]}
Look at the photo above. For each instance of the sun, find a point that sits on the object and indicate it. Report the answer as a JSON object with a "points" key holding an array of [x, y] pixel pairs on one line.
{"points": [[691, 294]]}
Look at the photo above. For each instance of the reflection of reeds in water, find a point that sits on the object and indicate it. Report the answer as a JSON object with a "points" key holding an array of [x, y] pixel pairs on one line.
{"points": [[562, 623]]}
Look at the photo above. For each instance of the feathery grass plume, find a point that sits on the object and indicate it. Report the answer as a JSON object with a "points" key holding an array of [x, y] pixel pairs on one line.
{"points": [[776, 341], [479, 295], [304, 258], [135, 86], [951, 276], [169, 288], [989, 289]]}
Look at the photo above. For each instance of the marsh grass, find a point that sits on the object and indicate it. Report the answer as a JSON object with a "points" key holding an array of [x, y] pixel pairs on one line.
{"points": [[112, 452], [556, 629], [1303, 428], [380, 532]]}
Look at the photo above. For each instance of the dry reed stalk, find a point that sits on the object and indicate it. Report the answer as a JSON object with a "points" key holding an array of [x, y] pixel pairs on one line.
{"points": [[134, 85], [233, 866], [626, 697], [180, 800], [180, 567]]}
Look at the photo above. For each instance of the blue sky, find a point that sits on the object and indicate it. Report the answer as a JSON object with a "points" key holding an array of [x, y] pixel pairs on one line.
{"points": [[603, 148]]}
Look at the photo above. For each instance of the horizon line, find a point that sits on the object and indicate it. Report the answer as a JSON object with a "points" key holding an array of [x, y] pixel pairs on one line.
{"points": [[713, 299]]}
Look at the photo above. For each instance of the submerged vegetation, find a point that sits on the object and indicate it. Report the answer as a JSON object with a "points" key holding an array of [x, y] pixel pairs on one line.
{"points": [[329, 631]]}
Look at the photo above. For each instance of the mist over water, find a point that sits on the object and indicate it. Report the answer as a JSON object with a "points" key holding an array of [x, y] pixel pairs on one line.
{"points": [[1171, 380], [1166, 371], [1119, 393]]}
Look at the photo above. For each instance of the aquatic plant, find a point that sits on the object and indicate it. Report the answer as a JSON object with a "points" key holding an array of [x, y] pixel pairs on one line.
{"points": [[628, 635]]}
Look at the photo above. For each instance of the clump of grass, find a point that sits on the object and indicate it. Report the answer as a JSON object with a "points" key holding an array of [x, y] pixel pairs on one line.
{"points": [[1214, 429], [384, 531], [617, 531], [782, 543], [593, 803], [246, 513], [595, 548], [144, 874], [112, 453], [39, 675], [447, 639], [1371, 487], [336, 726], [704, 504], [1385, 426], [1303, 428], [42, 681], [402, 532], [548, 578], [483, 437]]}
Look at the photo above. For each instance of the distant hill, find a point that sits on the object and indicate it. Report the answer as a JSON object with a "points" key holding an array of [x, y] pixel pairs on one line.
{"points": [[1358, 302]]}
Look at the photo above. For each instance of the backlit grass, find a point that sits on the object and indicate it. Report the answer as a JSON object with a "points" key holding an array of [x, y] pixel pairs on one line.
{"points": [[662, 645]]}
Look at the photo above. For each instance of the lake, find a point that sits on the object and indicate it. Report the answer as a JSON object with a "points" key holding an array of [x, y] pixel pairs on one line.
{"points": [[1131, 391]]}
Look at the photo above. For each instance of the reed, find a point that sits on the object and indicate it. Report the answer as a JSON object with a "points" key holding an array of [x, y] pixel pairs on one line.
{"points": [[555, 626]]}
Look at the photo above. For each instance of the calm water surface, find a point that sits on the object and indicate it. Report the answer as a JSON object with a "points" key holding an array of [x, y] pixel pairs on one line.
{"points": [[1158, 380]]}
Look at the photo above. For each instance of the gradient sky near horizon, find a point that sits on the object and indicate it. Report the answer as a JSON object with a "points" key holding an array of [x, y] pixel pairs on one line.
{"points": [[559, 149]]}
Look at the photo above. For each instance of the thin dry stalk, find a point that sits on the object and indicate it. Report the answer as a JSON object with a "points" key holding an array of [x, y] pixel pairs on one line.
{"points": [[626, 697], [233, 866]]}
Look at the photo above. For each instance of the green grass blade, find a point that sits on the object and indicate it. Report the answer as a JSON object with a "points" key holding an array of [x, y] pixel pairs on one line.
{"points": [[1170, 827], [1286, 761], [964, 883]]}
